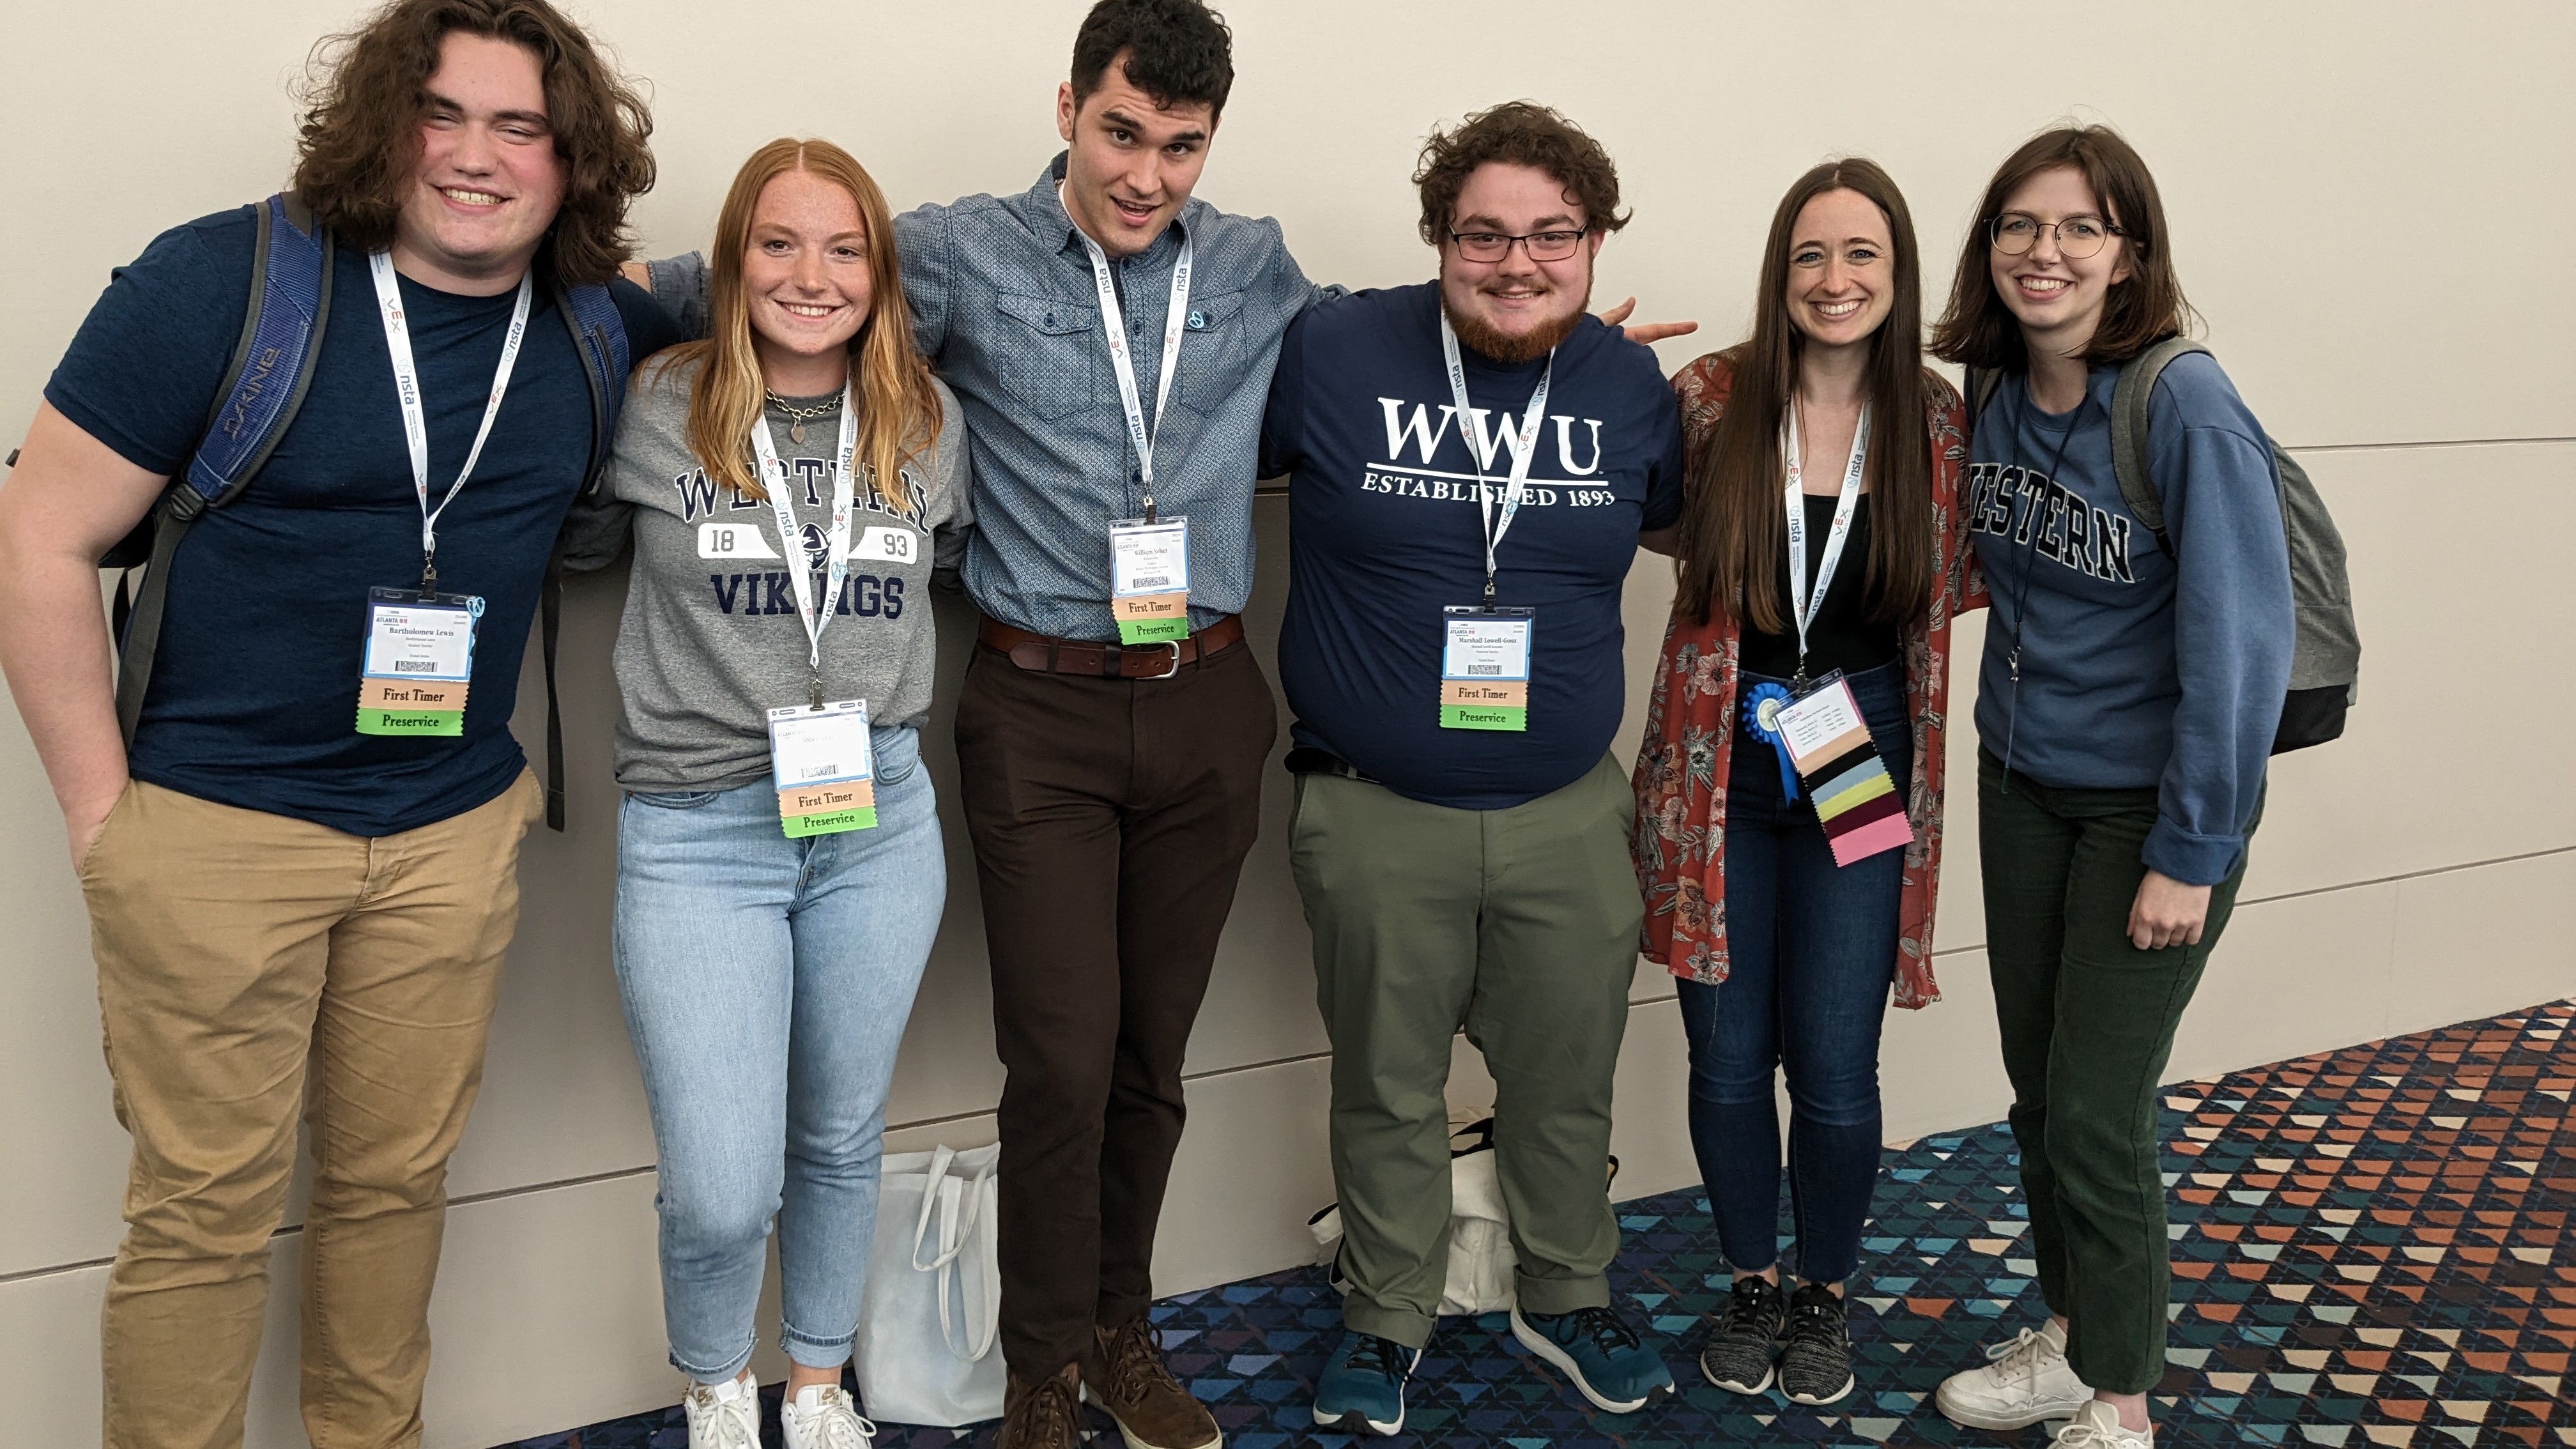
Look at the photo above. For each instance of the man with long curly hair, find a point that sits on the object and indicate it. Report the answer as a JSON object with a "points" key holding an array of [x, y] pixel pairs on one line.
{"points": [[274, 894]]}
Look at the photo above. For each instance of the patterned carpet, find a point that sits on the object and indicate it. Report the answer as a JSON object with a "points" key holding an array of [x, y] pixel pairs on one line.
{"points": [[2372, 1247]]}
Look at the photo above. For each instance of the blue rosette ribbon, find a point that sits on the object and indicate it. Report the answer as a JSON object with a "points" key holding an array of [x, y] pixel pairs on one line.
{"points": [[1762, 706]]}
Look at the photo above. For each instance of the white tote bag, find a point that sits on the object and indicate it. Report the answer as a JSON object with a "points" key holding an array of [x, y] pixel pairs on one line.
{"points": [[1481, 1261], [925, 1349]]}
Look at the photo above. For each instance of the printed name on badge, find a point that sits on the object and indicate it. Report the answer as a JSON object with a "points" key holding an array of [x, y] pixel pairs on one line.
{"points": [[1485, 669], [418, 661], [823, 764], [1149, 579]]}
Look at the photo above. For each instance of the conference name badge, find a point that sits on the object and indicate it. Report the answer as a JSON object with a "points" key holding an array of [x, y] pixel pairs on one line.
{"points": [[418, 660], [1485, 668], [1857, 801], [824, 766], [1149, 579]]}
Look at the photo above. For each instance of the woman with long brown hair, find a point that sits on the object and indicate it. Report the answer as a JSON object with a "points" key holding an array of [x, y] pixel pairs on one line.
{"points": [[1822, 558], [792, 481]]}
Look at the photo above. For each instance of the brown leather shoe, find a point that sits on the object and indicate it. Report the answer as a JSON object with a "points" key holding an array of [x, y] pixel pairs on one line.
{"points": [[1042, 1415], [1125, 1375]]}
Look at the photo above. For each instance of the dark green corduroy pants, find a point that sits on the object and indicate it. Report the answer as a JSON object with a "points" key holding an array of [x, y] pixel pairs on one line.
{"points": [[2087, 1023]]}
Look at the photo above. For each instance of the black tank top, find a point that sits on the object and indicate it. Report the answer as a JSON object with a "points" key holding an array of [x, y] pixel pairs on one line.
{"points": [[1843, 636]]}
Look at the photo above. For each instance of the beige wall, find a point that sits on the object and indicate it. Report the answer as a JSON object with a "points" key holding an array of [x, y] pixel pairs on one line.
{"points": [[2367, 203]]}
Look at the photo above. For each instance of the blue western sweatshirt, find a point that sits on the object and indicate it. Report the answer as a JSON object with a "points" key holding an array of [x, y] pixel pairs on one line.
{"points": [[2139, 667]]}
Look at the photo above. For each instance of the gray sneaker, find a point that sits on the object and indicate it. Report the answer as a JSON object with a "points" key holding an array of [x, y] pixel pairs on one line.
{"points": [[1741, 1342], [1815, 1353]]}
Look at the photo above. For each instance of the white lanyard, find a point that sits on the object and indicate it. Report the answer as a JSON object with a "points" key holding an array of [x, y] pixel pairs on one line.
{"points": [[1518, 483], [836, 543], [1803, 605], [1112, 321], [407, 392]]}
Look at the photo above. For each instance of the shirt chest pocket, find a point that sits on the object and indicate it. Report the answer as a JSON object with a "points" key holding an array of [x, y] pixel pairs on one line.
{"points": [[1050, 357], [1214, 354]]}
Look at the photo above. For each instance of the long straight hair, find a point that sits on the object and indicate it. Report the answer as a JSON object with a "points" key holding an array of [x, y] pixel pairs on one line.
{"points": [[899, 411], [1732, 530], [1978, 330]]}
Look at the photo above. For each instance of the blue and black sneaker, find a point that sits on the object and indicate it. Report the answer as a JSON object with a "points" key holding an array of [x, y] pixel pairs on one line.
{"points": [[1601, 1353], [1363, 1385]]}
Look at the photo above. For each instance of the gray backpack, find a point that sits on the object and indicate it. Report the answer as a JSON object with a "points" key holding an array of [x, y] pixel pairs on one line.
{"points": [[2325, 660]]}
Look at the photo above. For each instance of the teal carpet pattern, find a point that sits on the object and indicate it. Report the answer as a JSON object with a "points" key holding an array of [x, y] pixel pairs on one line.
{"points": [[2372, 1248]]}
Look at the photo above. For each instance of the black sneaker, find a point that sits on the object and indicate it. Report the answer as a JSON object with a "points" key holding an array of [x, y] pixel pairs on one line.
{"points": [[1738, 1356], [1815, 1354]]}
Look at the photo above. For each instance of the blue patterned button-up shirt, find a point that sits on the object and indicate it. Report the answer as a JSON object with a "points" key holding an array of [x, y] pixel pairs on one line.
{"points": [[1004, 304]]}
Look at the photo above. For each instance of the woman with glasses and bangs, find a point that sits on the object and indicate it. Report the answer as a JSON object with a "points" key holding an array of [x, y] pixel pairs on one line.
{"points": [[1821, 543], [2133, 679]]}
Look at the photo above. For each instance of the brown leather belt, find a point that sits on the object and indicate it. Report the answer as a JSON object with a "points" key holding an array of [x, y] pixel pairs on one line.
{"points": [[1048, 655]]}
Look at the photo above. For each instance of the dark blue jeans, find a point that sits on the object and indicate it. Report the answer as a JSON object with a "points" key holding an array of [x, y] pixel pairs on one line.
{"points": [[1811, 947]]}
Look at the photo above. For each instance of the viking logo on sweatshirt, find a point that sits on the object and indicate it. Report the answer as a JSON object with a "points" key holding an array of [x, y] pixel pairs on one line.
{"points": [[2052, 521]]}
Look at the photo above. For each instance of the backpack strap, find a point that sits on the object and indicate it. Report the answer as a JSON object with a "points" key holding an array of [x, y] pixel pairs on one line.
{"points": [[272, 365], [1982, 382], [2133, 398], [599, 338]]}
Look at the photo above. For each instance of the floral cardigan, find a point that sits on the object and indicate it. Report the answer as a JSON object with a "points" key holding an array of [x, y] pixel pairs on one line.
{"points": [[1680, 844]]}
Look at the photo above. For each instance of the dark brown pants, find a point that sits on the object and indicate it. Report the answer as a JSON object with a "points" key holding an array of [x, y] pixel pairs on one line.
{"points": [[1110, 820]]}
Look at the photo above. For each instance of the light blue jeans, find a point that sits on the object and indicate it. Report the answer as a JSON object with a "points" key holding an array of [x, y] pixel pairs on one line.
{"points": [[766, 983]]}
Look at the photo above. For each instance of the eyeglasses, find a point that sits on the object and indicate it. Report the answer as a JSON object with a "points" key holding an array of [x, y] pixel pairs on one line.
{"points": [[2016, 232], [1542, 246]]}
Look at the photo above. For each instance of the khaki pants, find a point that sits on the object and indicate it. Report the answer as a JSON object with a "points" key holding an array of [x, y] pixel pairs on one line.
{"points": [[235, 947]]}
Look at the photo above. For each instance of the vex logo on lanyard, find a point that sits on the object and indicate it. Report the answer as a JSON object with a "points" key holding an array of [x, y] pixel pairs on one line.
{"points": [[419, 654], [1149, 557], [1485, 651]]}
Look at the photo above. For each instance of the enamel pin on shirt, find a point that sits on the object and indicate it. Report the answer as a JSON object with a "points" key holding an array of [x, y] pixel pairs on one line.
{"points": [[1149, 557], [820, 755], [418, 659], [1485, 650]]}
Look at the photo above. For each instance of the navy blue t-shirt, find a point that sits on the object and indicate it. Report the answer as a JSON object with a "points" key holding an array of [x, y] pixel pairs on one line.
{"points": [[254, 692], [1384, 532]]}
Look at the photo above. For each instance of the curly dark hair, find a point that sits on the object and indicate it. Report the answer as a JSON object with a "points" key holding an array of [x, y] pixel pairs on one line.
{"points": [[1178, 51], [1523, 133], [366, 95]]}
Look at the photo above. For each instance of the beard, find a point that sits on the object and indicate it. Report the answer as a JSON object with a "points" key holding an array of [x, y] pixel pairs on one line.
{"points": [[1486, 340]]}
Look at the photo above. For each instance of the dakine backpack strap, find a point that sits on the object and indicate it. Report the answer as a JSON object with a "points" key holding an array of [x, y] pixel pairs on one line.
{"points": [[599, 337], [2133, 400], [272, 365]]}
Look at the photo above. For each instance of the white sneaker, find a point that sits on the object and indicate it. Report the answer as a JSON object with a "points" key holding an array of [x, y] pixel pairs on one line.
{"points": [[2028, 1381], [821, 1416], [725, 1415], [2097, 1426]]}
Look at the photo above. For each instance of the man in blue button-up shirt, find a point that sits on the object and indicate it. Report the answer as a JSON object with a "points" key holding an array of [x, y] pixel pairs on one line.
{"points": [[1111, 792]]}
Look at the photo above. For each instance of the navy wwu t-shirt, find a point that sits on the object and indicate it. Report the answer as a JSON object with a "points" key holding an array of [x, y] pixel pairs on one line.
{"points": [[254, 693], [1384, 532]]}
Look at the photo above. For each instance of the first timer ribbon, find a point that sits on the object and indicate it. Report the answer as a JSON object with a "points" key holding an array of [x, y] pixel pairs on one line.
{"points": [[1762, 706]]}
